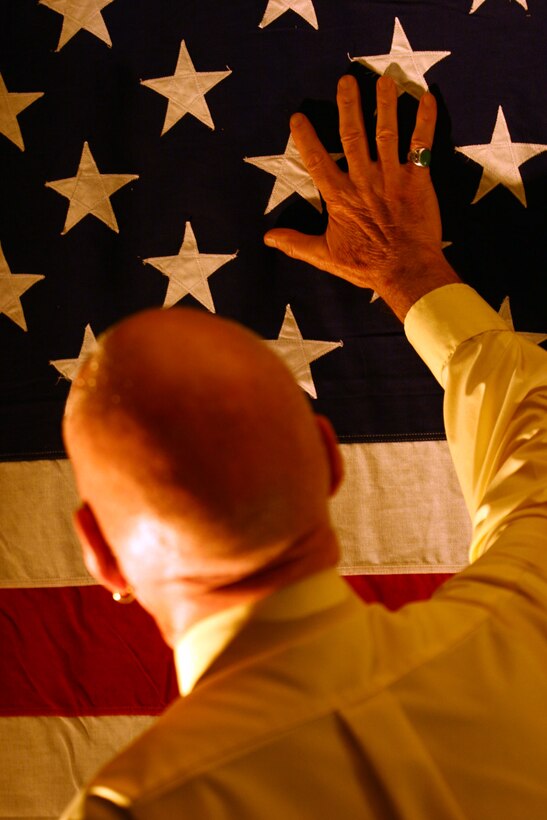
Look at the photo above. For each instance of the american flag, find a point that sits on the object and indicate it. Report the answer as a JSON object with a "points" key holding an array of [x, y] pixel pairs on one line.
{"points": [[144, 151]]}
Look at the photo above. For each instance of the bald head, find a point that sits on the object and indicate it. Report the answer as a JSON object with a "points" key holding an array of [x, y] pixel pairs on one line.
{"points": [[195, 448]]}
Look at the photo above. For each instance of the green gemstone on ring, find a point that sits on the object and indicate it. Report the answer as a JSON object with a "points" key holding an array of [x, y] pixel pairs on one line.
{"points": [[420, 157], [424, 157]]}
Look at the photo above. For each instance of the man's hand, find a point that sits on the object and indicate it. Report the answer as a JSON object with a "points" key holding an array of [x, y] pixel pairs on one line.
{"points": [[384, 227]]}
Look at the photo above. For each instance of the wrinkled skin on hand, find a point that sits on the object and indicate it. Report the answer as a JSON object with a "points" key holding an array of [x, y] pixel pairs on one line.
{"points": [[384, 223]]}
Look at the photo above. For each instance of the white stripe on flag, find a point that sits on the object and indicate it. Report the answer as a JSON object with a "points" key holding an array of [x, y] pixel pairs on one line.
{"points": [[45, 760], [399, 510], [38, 547]]}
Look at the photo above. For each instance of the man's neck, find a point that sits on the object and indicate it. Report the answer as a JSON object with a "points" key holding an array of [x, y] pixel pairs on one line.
{"points": [[186, 603]]}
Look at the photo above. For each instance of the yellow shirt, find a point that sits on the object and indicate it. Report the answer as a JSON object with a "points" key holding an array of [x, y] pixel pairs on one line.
{"points": [[343, 710]]}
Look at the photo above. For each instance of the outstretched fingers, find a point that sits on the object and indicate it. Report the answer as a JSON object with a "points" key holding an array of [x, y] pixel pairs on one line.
{"points": [[387, 130], [311, 249], [424, 130], [321, 167], [422, 136], [352, 128]]}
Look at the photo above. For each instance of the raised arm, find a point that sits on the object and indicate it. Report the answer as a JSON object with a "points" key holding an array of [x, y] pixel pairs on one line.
{"points": [[495, 412], [384, 232]]}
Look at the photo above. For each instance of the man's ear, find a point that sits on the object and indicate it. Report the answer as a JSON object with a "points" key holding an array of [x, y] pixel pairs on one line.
{"points": [[98, 556], [333, 452]]}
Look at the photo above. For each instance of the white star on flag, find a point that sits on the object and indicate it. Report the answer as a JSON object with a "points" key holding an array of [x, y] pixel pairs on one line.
{"points": [[69, 367], [89, 192], [500, 159], [189, 271], [478, 3], [80, 14], [506, 315], [186, 90], [298, 353], [11, 104], [291, 176], [12, 287], [276, 8], [405, 66]]}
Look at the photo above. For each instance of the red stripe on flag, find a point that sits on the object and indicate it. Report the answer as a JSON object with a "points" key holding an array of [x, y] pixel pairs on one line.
{"points": [[394, 591], [74, 651]]}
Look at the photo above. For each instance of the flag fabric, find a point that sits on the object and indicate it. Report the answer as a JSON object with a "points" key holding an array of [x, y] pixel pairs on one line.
{"points": [[144, 151]]}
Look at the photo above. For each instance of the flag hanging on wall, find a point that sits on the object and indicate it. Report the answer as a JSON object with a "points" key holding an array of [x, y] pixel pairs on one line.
{"points": [[144, 151]]}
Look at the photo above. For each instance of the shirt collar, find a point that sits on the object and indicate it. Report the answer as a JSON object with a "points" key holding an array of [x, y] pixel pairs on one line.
{"points": [[205, 640]]}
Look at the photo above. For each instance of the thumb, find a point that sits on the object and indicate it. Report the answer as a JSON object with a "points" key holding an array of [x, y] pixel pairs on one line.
{"points": [[298, 245]]}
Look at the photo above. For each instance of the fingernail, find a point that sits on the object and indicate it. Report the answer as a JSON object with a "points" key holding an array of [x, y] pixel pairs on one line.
{"points": [[346, 82], [297, 120], [428, 100], [269, 240]]}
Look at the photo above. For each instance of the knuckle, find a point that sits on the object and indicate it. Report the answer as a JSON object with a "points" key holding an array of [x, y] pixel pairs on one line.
{"points": [[344, 96], [315, 161], [386, 135], [351, 137]]}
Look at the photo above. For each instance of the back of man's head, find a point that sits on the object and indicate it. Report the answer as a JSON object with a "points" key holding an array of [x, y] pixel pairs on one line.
{"points": [[196, 450]]}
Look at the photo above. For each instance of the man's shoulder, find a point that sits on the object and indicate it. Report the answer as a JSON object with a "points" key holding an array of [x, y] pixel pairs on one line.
{"points": [[270, 680], [276, 679]]}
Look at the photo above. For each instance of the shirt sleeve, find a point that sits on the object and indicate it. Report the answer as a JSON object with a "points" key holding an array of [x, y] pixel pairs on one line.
{"points": [[495, 410]]}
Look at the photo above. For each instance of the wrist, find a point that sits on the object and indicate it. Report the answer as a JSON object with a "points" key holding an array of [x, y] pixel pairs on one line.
{"points": [[414, 278]]}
